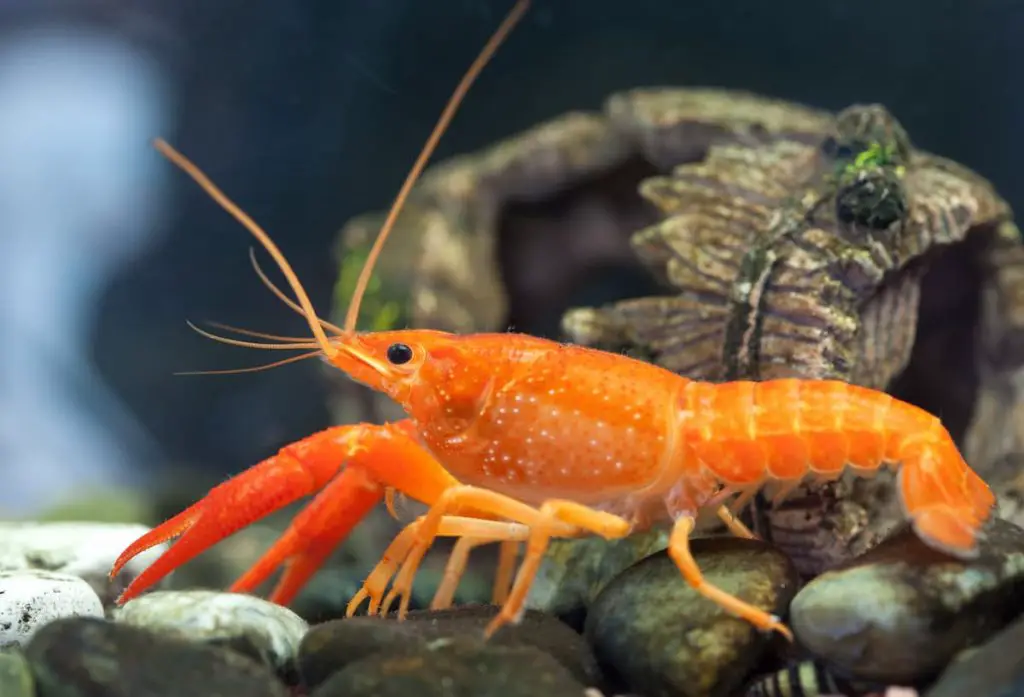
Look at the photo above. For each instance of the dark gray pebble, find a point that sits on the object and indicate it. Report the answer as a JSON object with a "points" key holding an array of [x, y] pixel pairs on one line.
{"points": [[574, 571], [462, 667], [663, 639], [331, 646], [994, 669], [88, 657], [902, 611]]}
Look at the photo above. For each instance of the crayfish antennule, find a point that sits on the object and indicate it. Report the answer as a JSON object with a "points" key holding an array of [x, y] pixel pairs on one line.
{"points": [[259, 233], [488, 51], [265, 280]]}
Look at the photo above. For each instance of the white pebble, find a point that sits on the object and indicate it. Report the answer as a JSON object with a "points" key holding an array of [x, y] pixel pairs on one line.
{"points": [[86, 550], [30, 599]]}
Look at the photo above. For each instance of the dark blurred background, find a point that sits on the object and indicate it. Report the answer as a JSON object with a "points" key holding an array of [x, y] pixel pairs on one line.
{"points": [[308, 113]]}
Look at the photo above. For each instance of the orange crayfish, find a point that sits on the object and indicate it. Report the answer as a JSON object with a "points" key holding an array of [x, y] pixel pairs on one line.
{"points": [[516, 438]]}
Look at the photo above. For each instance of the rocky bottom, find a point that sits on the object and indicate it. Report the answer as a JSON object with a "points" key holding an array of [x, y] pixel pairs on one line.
{"points": [[901, 619]]}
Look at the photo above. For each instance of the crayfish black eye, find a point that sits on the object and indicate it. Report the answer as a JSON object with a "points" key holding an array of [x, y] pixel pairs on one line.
{"points": [[399, 354]]}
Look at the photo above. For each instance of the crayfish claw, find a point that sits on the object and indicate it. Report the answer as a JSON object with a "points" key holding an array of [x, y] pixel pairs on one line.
{"points": [[297, 470], [186, 548], [314, 534]]}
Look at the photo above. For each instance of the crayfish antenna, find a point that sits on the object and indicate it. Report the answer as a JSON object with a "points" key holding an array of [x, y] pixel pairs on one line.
{"points": [[305, 306], [458, 96], [242, 217]]}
